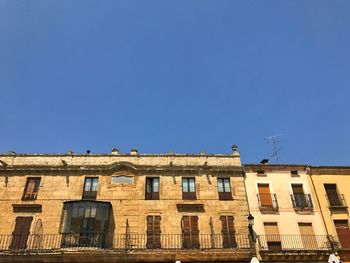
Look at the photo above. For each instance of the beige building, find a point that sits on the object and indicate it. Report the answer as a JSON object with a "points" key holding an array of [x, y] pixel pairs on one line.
{"points": [[332, 185], [136, 207], [288, 221]]}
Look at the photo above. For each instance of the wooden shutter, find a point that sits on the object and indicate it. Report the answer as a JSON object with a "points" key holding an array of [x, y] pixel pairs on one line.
{"points": [[153, 232], [265, 195], [307, 235], [342, 227], [228, 232], [297, 188], [21, 233], [272, 236], [190, 232]]}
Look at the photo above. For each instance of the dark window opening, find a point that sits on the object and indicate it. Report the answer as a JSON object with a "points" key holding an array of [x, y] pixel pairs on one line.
{"points": [[31, 189], [224, 189], [294, 173], [188, 189], [260, 173], [152, 188], [334, 199]]}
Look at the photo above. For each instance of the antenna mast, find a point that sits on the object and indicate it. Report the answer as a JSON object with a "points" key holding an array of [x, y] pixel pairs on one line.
{"points": [[276, 148]]}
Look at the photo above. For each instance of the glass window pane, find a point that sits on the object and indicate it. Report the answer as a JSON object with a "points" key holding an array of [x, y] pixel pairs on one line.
{"points": [[155, 185], [192, 185], [94, 184], [93, 212], [87, 212], [227, 185], [80, 212], [75, 212], [148, 185], [184, 185], [87, 184], [220, 186]]}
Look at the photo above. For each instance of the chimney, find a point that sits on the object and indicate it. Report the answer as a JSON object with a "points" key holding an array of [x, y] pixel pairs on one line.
{"points": [[133, 151], [265, 161], [115, 151]]}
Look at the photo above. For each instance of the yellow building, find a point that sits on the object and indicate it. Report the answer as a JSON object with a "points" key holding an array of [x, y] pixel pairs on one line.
{"points": [[135, 207], [332, 186]]}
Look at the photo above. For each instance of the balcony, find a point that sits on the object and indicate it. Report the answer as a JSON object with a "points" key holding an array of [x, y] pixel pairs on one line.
{"points": [[302, 202], [123, 242], [280, 243], [29, 196], [267, 202], [336, 202], [309, 248]]}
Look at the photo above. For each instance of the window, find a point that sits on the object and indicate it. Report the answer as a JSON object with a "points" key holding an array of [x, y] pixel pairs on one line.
{"points": [[152, 188], [334, 199], [228, 232], [90, 188], [265, 198], [343, 232], [190, 232], [224, 189], [308, 236], [84, 223], [299, 199], [294, 173], [261, 173], [188, 189], [31, 189], [153, 232], [273, 238]]}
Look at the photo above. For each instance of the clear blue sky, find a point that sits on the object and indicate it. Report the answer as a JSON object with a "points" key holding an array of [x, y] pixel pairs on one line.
{"points": [[181, 76]]}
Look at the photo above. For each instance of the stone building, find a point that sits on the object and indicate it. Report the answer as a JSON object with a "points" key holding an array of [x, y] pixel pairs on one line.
{"points": [[135, 207]]}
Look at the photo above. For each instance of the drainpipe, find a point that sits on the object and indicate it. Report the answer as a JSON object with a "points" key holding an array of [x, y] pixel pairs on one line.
{"points": [[252, 238], [319, 205]]}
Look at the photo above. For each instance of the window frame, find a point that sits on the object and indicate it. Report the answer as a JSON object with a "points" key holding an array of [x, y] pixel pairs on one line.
{"points": [[90, 194], [27, 196], [224, 195], [188, 194], [152, 194]]}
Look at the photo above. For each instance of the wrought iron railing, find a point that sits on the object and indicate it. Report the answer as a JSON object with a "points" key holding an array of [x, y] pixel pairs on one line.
{"points": [[123, 242], [336, 200], [267, 201], [294, 242], [301, 201]]}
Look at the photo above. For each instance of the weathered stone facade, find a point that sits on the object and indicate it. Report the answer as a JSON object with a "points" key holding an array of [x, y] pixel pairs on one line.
{"points": [[62, 180]]}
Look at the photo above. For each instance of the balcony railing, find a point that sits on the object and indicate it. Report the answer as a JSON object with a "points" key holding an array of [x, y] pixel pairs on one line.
{"points": [[336, 200], [29, 196], [267, 201], [284, 243], [301, 201], [123, 242]]}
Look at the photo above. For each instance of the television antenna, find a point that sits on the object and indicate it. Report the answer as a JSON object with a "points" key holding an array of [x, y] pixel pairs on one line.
{"points": [[276, 148]]}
